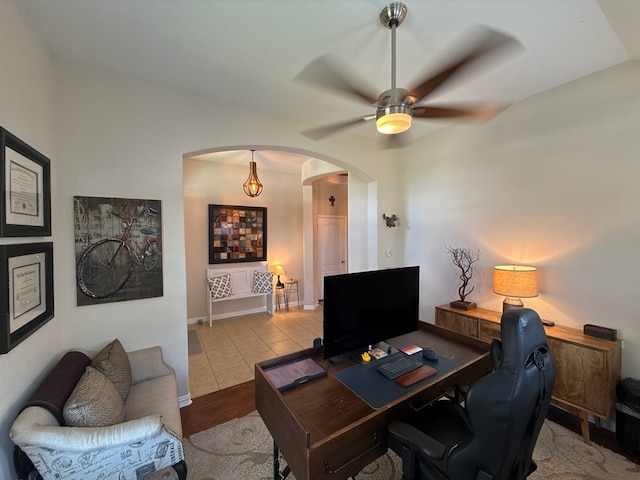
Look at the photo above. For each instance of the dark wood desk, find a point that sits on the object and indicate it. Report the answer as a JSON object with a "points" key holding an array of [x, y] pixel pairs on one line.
{"points": [[324, 431]]}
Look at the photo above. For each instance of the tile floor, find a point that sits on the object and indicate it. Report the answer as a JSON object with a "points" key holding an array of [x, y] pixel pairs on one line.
{"points": [[232, 346]]}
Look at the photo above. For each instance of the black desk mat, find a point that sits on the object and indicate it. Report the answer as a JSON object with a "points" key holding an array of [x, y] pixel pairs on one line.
{"points": [[376, 390]]}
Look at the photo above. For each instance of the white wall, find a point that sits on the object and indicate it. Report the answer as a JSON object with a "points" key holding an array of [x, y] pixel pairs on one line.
{"points": [[26, 110], [553, 183], [123, 137], [214, 183]]}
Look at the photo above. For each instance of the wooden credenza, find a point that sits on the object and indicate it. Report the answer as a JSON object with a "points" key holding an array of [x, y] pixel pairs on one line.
{"points": [[587, 368]]}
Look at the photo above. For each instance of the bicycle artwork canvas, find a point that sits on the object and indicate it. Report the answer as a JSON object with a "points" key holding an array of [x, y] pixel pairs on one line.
{"points": [[118, 246]]}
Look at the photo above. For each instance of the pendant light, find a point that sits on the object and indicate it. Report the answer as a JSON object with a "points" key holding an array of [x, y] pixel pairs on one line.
{"points": [[252, 186]]}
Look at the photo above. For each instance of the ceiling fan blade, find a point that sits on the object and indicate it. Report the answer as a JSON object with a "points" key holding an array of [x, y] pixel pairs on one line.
{"points": [[484, 43], [319, 133], [478, 113], [328, 73]]}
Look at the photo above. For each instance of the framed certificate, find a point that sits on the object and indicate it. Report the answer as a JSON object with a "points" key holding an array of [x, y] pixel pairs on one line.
{"points": [[26, 287], [25, 202]]}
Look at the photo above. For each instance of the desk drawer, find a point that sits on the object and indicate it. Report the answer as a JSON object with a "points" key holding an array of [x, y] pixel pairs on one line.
{"points": [[349, 450], [457, 322], [488, 330]]}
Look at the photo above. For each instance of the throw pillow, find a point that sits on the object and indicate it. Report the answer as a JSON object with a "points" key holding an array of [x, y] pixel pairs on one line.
{"points": [[94, 402], [262, 282], [220, 286], [113, 362]]}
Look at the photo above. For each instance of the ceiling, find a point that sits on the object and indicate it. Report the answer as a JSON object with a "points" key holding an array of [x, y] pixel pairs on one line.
{"points": [[250, 51]]}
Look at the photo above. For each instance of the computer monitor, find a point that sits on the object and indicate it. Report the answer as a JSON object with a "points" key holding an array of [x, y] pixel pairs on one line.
{"points": [[364, 308]]}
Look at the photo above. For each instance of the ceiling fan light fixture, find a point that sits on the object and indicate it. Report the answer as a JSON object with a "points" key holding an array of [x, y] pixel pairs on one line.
{"points": [[393, 120], [396, 107], [252, 186]]}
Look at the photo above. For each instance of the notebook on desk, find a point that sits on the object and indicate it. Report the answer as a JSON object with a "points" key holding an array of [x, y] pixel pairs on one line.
{"points": [[289, 375]]}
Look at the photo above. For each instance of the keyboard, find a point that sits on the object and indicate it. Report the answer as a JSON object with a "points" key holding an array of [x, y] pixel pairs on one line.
{"points": [[399, 366]]}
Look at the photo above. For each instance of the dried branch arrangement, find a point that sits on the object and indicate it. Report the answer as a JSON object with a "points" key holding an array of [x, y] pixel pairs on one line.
{"points": [[464, 259]]}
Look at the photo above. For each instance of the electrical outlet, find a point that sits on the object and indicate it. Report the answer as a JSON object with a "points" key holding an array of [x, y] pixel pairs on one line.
{"points": [[622, 344]]}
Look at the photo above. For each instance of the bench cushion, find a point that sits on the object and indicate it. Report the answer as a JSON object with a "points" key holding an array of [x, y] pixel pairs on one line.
{"points": [[156, 396], [220, 286], [262, 282]]}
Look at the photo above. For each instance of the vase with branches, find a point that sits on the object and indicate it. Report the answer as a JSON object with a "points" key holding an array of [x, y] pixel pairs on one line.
{"points": [[464, 259]]}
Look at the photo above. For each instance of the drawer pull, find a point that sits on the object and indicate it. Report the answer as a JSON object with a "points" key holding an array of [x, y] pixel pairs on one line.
{"points": [[330, 471]]}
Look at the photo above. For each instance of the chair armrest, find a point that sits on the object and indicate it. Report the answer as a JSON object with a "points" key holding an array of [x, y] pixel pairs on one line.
{"points": [[83, 438], [417, 440], [76, 453], [148, 363]]}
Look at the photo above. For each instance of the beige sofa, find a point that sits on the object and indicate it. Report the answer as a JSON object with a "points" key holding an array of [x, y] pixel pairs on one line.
{"points": [[146, 437]]}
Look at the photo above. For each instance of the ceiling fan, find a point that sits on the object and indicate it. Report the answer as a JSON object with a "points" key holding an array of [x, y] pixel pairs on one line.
{"points": [[396, 107]]}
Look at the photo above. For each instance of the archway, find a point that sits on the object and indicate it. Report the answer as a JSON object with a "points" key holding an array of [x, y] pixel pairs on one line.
{"points": [[313, 165]]}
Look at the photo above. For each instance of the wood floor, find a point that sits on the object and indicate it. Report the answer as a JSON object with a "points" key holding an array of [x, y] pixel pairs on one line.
{"points": [[218, 407]]}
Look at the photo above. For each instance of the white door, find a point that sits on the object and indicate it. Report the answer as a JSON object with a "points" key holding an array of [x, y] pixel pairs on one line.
{"points": [[332, 247]]}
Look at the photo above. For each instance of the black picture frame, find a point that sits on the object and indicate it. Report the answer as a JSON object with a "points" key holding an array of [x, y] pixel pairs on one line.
{"points": [[26, 287], [25, 199], [237, 234]]}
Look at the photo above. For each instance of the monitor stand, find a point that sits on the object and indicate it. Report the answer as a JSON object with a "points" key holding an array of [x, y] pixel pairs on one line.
{"points": [[343, 357]]}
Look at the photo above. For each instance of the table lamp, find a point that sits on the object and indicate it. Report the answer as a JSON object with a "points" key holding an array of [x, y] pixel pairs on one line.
{"points": [[279, 270], [514, 282]]}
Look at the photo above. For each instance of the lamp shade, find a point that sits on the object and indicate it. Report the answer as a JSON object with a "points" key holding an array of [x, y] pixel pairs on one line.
{"points": [[279, 270], [515, 281], [252, 186]]}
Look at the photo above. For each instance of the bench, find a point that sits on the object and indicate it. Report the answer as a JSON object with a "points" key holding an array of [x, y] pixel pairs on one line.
{"points": [[236, 283]]}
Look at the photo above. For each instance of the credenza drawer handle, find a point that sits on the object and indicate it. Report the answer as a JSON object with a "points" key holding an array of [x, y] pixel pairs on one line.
{"points": [[331, 471]]}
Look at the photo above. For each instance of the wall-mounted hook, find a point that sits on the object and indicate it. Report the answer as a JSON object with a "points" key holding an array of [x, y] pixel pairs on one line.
{"points": [[391, 221]]}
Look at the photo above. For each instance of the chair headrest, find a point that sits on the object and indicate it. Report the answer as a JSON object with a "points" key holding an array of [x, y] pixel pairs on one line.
{"points": [[522, 333]]}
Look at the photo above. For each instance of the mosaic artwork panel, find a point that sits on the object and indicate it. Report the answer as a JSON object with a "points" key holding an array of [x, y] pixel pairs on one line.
{"points": [[237, 234]]}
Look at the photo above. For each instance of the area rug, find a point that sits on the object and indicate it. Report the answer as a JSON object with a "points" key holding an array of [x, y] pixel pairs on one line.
{"points": [[194, 346], [242, 449]]}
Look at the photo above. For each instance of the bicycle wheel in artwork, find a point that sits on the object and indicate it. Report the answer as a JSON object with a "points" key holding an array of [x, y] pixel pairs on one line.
{"points": [[118, 249]]}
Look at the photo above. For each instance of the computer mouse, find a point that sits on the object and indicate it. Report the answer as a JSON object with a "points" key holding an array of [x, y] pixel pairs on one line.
{"points": [[429, 354]]}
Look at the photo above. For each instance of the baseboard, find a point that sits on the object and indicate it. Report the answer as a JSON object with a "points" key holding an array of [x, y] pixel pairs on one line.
{"points": [[185, 400], [191, 321], [236, 313]]}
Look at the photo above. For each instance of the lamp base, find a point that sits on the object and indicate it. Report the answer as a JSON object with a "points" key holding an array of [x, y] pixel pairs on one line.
{"points": [[511, 303], [279, 284], [460, 305]]}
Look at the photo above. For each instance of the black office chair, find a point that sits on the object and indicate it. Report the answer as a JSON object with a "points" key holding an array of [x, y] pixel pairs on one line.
{"points": [[493, 435]]}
